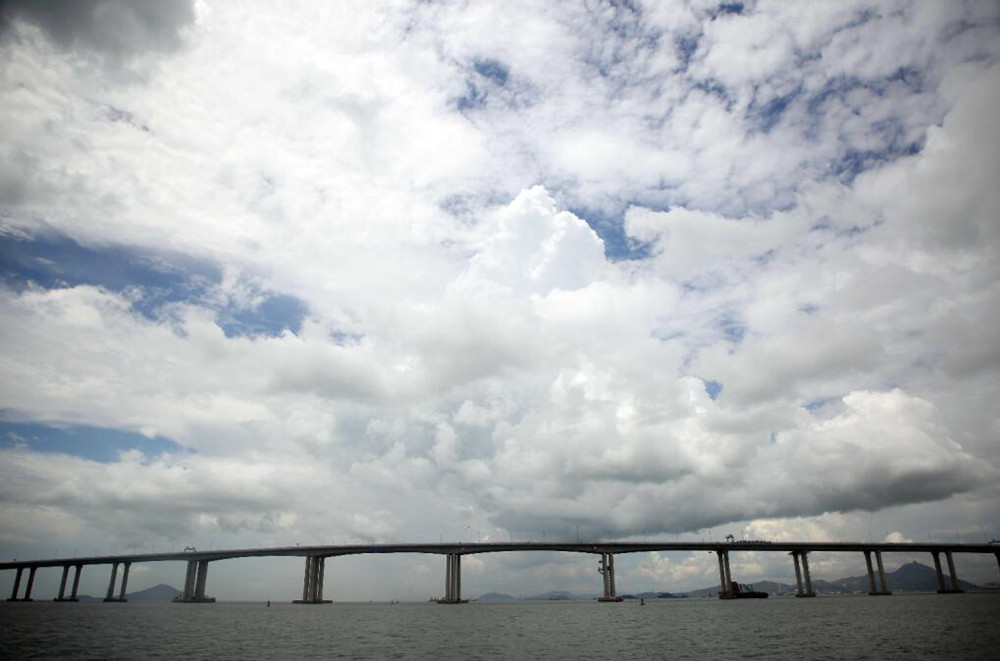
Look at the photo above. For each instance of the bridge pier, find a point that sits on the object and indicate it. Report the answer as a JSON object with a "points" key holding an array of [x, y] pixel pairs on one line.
{"points": [[883, 586], [312, 582], [62, 584], [799, 591], [31, 583], [872, 589], [189, 575], [725, 575], [723, 583], [951, 571], [121, 593], [76, 583], [17, 584], [199, 589], [195, 578], [111, 584], [453, 580], [805, 571], [606, 568]]}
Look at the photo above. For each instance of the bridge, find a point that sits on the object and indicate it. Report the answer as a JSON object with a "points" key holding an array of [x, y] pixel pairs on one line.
{"points": [[196, 578]]}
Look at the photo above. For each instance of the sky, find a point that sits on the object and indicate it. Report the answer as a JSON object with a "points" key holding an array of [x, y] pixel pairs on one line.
{"points": [[317, 273]]}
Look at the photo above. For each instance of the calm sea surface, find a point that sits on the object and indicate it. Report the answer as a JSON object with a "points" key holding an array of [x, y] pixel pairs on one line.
{"points": [[897, 627]]}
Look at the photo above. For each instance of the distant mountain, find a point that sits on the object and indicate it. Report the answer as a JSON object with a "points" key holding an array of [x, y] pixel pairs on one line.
{"points": [[161, 592], [496, 596], [560, 595], [912, 577]]}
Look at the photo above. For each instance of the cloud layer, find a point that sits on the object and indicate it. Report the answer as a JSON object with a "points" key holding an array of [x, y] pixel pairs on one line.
{"points": [[409, 271]]}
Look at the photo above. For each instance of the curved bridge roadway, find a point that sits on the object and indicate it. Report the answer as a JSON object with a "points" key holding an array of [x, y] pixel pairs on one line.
{"points": [[315, 561]]}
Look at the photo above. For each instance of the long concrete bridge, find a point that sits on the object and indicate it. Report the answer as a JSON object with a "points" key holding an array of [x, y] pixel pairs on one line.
{"points": [[315, 557]]}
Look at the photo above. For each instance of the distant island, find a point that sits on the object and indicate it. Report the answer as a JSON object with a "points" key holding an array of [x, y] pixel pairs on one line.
{"points": [[911, 577], [161, 592]]}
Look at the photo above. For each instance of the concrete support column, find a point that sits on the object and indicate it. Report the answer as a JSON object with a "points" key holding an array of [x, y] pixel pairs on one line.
{"points": [[110, 596], [722, 574], [942, 588], [453, 580], [62, 584], [316, 584], [121, 594], [947, 556], [189, 580], [447, 578], [729, 574], [31, 583], [611, 571], [606, 567], [307, 580], [806, 575], [76, 582], [17, 584], [322, 578], [312, 581], [725, 575], [202, 577], [998, 559], [798, 575], [881, 573], [871, 574]]}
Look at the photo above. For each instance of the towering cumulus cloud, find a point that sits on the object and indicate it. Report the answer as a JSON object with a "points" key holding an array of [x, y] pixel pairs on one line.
{"points": [[407, 271]]}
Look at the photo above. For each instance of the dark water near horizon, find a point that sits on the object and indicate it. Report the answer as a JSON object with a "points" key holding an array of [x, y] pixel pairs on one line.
{"points": [[965, 626]]}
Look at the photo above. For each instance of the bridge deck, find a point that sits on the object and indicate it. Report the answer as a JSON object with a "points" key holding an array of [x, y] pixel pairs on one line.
{"points": [[499, 547]]}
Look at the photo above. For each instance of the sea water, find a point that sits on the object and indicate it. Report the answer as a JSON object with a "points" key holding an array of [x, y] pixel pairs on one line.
{"points": [[958, 626]]}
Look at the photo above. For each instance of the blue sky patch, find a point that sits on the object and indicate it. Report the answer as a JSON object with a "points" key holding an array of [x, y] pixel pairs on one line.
{"points": [[493, 70], [732, 328], [272, 317], [95, 443], [686, 47], [472, 99], [713, 388], [57, 261], [855, 161], [769, 115], [618, 246], [816, 406]]}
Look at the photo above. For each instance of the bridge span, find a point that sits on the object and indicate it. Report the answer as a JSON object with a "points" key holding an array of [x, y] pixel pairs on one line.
{"points": [[195, 581]]}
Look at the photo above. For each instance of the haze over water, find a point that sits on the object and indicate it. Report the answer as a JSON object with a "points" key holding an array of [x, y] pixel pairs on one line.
{"points": [[851, 627]]}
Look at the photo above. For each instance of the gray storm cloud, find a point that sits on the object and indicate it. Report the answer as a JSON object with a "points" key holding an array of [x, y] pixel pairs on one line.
{"points": [[118, 28]]}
